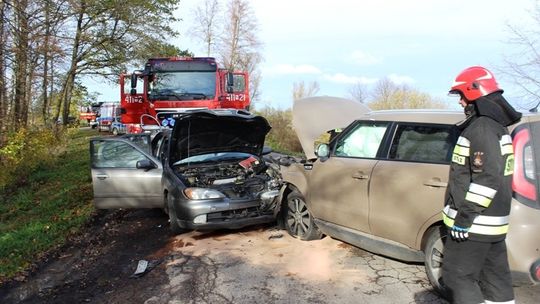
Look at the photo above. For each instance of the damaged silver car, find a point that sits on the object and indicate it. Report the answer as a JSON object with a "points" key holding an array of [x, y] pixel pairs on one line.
{"points": [[206, 173]]}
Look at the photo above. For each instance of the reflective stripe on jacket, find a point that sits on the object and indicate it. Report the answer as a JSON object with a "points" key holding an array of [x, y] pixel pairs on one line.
{"points": [[479, 190]]}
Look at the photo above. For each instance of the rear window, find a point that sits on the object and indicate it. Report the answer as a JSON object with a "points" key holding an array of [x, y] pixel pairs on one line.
{"points": [[423, 143]]}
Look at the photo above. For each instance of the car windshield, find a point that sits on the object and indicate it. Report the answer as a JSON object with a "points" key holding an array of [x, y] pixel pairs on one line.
{"points": [[213, 158], [183, 86]]}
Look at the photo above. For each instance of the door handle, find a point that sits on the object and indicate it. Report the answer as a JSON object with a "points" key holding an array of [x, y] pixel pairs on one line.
{"points": [[102, 176], [435, 182], [360, 175]]}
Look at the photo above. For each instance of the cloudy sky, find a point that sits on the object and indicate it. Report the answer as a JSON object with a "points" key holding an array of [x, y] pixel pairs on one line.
{"points": [[421, 43]]}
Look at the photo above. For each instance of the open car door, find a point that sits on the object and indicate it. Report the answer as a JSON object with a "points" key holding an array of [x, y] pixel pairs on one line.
{"points": [[125, 174]]}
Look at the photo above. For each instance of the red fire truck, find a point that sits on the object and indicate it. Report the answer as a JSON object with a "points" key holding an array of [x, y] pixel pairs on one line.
{"points": [[171, 85]]}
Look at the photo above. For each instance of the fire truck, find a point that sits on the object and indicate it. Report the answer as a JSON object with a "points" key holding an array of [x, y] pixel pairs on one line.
{"points": [[149, 97], [90, 113]]}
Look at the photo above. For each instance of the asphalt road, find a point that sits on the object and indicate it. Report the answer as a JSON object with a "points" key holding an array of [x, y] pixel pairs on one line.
{"points": [[256, 265]]}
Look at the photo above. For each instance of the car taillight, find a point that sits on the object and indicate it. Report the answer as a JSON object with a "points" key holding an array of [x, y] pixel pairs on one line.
{"points": [[524, 180], [134, 128]]}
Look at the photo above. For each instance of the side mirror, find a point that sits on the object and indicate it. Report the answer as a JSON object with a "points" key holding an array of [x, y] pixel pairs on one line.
{"points": [[266, 150], [230, 82], [145, 164], [133, 84], [322, 151]]}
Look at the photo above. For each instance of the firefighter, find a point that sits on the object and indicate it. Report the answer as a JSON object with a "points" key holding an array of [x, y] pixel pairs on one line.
{"points": [[477, 203]]}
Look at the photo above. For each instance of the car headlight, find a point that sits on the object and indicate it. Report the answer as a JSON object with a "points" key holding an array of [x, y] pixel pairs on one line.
{"points": [[202, 193]]}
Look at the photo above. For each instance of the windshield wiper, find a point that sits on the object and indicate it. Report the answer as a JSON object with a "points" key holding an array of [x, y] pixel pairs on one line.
{"points": [[168, 95], [179, 96], [203, 96]]}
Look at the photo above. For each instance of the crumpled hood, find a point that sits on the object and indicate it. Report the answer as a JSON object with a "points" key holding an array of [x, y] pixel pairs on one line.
{"points": [[314, 116], [207, 131]]}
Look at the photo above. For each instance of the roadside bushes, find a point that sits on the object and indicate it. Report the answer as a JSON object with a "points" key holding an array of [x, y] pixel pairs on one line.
{"points": [[25, 151], [282, 137]]}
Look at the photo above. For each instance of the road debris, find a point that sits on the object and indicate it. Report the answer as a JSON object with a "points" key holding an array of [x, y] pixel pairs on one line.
{"points": [[143, 267], [275, 236]]}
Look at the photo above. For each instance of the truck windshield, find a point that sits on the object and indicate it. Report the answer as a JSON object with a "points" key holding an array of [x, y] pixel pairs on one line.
{"points": [[182, 86]]}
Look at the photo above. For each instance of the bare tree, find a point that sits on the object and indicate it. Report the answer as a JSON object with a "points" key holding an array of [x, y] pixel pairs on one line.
{"points": [[206, 25], [388, 95], [239, 46], [523, 65], [358, 92], [301, 90]]}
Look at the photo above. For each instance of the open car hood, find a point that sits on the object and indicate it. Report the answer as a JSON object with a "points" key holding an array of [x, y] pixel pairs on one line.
{"points": [[314, 116], [212, 131]]}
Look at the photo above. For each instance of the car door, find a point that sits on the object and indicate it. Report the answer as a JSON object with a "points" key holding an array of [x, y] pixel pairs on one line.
{"points": [[407, 189], [124, 174], [339, 185]]}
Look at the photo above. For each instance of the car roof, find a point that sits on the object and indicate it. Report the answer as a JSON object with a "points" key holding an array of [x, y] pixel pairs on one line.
{"points": [[416, 115], [428, 116]]}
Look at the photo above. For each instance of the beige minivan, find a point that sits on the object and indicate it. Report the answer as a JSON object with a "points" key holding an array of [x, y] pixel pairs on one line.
{"points": [[380, 183]]}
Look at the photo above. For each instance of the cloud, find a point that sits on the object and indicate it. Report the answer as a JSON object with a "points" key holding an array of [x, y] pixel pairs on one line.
{"points": [[363, 58], [342, 78], [399, 79], [281, 69]]}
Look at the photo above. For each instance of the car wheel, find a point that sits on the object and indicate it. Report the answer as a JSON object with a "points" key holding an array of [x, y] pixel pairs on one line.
{"points": [[298, 220], [433, 254], [115, 131], [173, 219]]}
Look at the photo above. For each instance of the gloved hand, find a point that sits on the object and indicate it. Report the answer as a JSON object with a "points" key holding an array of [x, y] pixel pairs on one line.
{"points": [[459, 234]]}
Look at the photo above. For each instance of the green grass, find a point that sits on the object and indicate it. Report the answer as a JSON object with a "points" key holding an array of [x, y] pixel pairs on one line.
{"points": [[53, 203]]}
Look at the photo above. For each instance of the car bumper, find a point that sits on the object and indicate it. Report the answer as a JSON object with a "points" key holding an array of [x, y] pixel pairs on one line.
{"points": [[222, 214]]}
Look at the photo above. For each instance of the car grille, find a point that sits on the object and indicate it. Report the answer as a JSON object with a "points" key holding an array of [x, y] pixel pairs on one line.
{"points": [[231, 215]]}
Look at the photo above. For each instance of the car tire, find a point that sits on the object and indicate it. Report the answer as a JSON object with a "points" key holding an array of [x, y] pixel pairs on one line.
{"points": [[173, 219], [115, 131], [433, 255], [298, 220]]}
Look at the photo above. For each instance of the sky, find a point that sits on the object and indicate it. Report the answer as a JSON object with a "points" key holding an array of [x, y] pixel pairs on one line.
{"points": [[421, 43]]}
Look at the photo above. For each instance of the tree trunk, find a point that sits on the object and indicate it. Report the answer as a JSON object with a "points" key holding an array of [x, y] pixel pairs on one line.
{"points": [[46, 56], [3, 86], [21, 61], [70, 77]]}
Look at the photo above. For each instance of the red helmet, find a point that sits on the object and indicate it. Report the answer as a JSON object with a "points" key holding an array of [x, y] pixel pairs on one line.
{"points": [[475, 82]]}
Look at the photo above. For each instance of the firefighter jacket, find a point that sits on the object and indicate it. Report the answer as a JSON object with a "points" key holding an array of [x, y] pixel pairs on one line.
{"points": [[479, 191]]}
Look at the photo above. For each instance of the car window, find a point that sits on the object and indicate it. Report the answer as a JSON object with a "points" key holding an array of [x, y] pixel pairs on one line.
{"points": [[423, 143], [239, 83], [115, 154], [141, 140], [362, 141], [214, 157]]}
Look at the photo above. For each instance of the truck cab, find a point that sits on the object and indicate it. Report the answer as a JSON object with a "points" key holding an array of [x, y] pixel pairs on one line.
{"points": [[172, 85]]}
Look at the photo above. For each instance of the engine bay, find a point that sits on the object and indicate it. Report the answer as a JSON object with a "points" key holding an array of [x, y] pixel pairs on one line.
{"points": [[248, 178]]}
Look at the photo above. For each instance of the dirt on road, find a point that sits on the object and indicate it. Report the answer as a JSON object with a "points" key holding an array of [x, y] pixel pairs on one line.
{"points": [[97, 266], [260, 264]]}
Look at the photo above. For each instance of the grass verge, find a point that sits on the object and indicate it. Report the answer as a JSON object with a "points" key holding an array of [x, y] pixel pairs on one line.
{"points": [[53, 203]]}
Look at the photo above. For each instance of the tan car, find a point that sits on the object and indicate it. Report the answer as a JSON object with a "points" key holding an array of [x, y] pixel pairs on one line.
{"points": [[380, 183]]}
